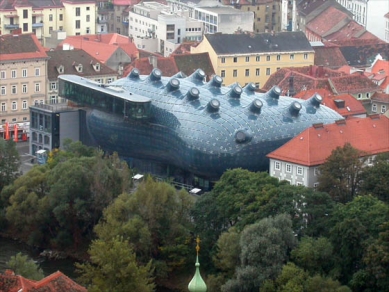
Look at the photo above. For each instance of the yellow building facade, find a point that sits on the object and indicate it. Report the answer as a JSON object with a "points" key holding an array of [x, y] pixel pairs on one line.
{"points": [[246, 58]]}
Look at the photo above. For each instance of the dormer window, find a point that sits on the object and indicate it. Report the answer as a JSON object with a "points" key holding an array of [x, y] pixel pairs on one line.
{"points": [[79, 68], [97, 67], [61, 69]]}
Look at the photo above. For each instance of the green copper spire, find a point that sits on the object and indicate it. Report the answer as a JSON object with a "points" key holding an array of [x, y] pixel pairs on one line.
{"points": [[197, 283]]}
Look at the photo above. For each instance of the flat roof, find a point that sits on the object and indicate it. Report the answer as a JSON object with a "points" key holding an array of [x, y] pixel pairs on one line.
{"points": [[115, 91]]}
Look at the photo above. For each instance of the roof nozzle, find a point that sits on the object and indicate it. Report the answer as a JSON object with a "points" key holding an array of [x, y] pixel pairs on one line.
{"points": [[295, 108], [155, 75], [315, 100], [216, 81], [213, 105], [236, 91], [274, 92], [173, 84], [134, 74], [256, 106], [193, 93]]}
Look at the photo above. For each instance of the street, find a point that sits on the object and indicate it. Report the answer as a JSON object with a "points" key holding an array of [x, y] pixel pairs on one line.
{"points": [[25, 157]]}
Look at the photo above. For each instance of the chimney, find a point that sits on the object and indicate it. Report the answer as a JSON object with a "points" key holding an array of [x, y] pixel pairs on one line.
{"points": [[292, 92], [153, 61]]}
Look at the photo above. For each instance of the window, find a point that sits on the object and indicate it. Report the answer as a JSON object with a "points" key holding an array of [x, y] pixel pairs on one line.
{"points": [[278, 57], [24, 104], [359, 95], [223, 73], [88, 8], [235, 59], [268, 71], [300, 170], [87, 18], [13, 89], [368, 95], [258, 58], [37, 71], [50, 17], [61, 17], [78, 11], [247, 59], [53, 85], [25, 26], [247, 72], [24, 73], [3, 91], [3, 107], [87, 30], [24, 88], [257, 72], [109, 80], [316, 171], [37, 87], [315, 185], [277, 165], [292, 57], [13, 74], [374, 108], [299, 184], [267, 58], [117, 18], [78, 24], [53, 99], [25, 13], [14, 106], [235, 73], [3, 75], [223, 60], [50, 29], [118, 32], [383, 109], [305, 56], [24, 119], [288, 168]]}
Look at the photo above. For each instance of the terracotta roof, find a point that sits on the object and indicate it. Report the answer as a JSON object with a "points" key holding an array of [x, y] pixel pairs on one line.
{"points": [[380, 97], [70, 59], [144, 65], [304, 78], [352, 30], [329, 21], [20, 47], [345, 104], [380, 70], [102, 46], [330, 57], [246, 2], [354, 42], [306, 7], [56, 282], [354, 83], [190, 63], [314, 145], [184, 48]]}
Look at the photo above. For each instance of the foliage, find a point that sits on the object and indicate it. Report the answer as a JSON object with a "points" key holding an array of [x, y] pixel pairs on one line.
{"points": [[375, 179], [355, 226], [314, 255], [156, 220], [113, 267], [295, 279], [9, 162], [264, 249], [25, 267], [341, 174]]}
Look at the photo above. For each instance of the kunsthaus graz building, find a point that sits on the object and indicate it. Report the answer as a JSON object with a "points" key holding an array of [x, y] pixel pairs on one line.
{"points": [[187, 128]]}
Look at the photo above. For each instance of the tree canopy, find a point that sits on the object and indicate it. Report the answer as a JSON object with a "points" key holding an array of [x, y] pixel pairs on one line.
{"points": [[23, 266]]}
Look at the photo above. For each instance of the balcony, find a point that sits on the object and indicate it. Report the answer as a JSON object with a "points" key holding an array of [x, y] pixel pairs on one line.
{"points": [[125, 23], [11, 26], [37, 25], [102, 21]]}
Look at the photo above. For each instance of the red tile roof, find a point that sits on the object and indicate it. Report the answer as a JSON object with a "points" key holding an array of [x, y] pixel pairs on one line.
{"points": [[330, 57], [354, 83], [314, 145], [56, 282], [184, 48], [144, 65], [102, 46], [351, 106], [329, 21], [355, 42], [21, 47], [380, 97]]}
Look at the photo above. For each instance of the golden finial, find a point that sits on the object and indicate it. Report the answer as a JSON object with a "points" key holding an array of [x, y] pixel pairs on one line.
{"points": [[198, 244]]}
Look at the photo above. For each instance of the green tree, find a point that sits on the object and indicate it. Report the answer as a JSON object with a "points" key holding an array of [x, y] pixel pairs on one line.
{"points": [[25, 267], [9, 162], [156, 220], [264, 250], [314, 255], [113, 267], [341, 174], [375, 179]]}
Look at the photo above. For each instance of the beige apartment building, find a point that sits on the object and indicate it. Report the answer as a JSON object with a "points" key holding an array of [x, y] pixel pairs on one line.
{"points": [[76, 17], [23, 63]]}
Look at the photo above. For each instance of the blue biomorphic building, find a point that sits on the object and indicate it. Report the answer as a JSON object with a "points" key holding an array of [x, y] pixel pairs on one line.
{"points": [[187, 128]]}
